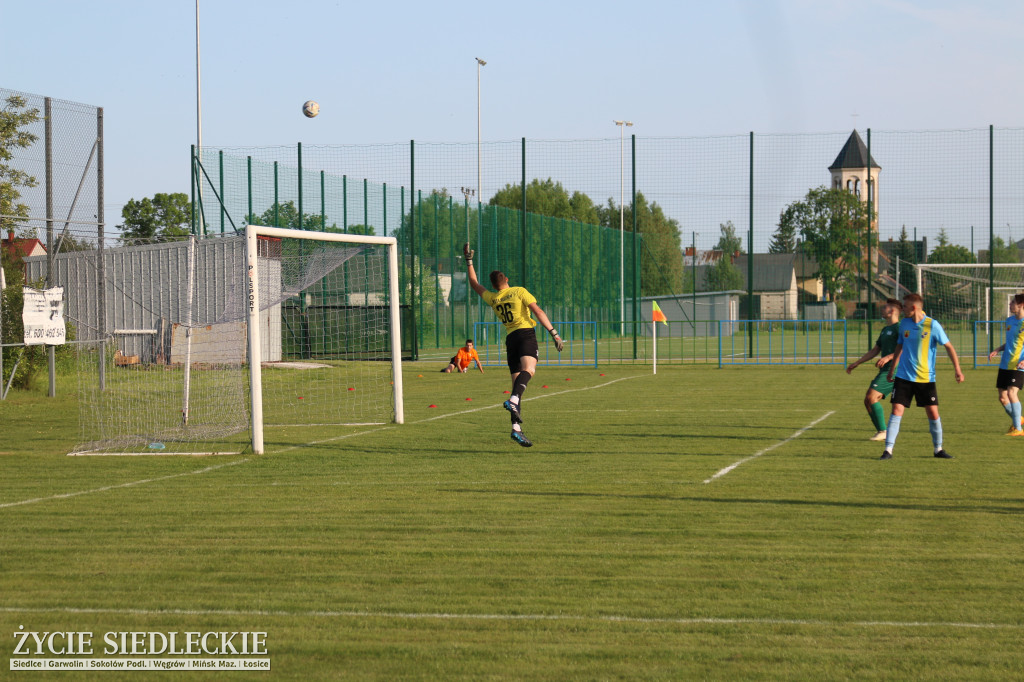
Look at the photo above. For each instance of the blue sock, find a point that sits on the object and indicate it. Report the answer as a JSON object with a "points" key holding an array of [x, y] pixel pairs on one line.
{"points": [[892, 432], [936, 428], [1015, 415], [1009, 409]]}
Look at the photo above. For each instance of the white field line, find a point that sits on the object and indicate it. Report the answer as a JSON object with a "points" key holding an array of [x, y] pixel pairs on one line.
{"points": [[207, 613], [62, 496], [723, 472], [144, 481], [461, 413]]}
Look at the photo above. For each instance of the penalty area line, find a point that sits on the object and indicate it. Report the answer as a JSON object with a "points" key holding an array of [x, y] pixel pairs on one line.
{"points": [[63, 496], [723, 472], [610, 618]]}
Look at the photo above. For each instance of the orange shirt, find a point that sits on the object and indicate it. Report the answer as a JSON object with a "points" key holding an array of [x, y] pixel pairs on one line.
{"points": [[464, 357]]}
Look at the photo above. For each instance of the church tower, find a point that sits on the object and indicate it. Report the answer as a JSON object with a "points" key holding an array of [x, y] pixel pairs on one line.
{"points": [[851, 170]]}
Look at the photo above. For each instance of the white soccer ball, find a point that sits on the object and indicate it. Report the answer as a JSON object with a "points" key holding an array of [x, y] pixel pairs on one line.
{"points": [[310, 109]]}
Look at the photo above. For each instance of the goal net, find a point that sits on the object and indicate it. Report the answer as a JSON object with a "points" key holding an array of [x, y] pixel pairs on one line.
{"points": [[166, 332], [958, 295]]}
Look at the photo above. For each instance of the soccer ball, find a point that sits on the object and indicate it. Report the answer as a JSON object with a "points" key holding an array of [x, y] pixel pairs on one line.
{"points": [[310, 109]]}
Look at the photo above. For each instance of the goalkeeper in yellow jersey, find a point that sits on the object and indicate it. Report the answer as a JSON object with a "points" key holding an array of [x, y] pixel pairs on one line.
{"points": [[513, 306]]}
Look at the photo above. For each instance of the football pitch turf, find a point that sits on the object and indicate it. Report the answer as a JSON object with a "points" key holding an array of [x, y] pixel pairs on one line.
{"points": [[699, 524]]}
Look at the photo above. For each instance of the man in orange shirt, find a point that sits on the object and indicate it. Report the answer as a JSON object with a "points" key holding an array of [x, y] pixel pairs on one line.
{"points": [[461, 360]]}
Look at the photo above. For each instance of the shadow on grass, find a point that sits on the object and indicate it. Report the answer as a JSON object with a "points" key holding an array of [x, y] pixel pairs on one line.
{"points": [[981, 508]]}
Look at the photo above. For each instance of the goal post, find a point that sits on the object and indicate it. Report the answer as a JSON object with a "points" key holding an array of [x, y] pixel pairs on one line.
{"points": [[961, 294], [253, 279]]}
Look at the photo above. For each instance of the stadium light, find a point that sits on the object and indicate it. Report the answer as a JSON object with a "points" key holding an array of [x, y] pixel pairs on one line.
{"points": [[622, 229], [479, 63]]}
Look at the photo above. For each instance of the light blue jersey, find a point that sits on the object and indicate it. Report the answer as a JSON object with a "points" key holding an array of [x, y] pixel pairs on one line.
{"points": [[920, 340], [1013, 351]]}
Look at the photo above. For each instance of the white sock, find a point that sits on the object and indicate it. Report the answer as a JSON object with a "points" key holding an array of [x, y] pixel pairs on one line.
{"points": [[517, 427], [514, 400]]}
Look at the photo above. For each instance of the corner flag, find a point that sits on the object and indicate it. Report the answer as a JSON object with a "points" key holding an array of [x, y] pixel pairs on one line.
{"points": [[657, 315]]}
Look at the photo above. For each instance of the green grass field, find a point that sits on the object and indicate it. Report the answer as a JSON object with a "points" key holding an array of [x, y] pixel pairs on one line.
{"points": [[441, 550]]}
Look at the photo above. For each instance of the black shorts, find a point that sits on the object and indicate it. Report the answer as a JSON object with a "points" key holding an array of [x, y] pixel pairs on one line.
{"points": [[924, 394], [1009, 377], [520, 343]]}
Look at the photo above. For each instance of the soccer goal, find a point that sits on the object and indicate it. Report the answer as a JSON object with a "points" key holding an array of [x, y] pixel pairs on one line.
{"points": [[969, 291], [203, 344]]}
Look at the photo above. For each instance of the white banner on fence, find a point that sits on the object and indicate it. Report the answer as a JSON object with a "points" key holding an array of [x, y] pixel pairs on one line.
{"points": [[43, 316]]}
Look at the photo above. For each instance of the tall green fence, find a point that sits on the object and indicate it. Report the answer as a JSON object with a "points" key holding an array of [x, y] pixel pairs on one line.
{"points": [[571, 267], [925, 197]]}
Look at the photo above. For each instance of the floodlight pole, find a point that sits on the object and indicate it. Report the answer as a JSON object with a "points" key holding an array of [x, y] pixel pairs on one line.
{"points": [[201, 227], [479, 63], [622, 229]]}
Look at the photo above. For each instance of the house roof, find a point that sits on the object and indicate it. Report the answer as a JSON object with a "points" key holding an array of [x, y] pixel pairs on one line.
{"points": [[775, 271], [853, 155], [23, 248]]}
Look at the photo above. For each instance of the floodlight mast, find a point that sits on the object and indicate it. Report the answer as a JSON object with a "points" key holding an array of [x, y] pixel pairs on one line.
{"points": [[622, 229]]}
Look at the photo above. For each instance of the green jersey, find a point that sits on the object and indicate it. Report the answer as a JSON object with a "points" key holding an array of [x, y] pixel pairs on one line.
{"points": [[887, 342]]}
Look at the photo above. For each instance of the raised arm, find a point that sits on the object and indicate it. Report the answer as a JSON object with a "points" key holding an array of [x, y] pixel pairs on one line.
{"points": [[474, 283]]}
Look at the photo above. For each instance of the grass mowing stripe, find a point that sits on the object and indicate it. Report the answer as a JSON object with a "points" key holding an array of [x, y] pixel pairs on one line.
{"points": [[723, 472], [515, 617], [63, 496], [461, 413]]}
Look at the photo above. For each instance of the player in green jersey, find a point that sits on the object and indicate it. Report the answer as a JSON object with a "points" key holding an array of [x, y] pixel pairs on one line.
{"points": [[513, 306], [881, 386]]}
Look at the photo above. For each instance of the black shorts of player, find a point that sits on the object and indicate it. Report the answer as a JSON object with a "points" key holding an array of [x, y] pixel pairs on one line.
{"points": [[520, 343], [924, 394], [1009, 377], [454, 360]]}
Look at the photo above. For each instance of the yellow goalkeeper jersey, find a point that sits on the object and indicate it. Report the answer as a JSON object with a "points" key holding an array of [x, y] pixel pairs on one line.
{"points": [[512, 306]]}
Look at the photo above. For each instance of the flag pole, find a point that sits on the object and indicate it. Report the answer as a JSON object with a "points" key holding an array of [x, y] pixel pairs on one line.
{"points": [[655, 326]]}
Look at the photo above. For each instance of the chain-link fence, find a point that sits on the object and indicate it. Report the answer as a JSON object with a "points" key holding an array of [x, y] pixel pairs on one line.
{"points": [[836, 222], [51, 202]]}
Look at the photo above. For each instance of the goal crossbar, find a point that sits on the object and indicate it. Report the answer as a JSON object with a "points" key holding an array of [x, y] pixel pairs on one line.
{"points": [[252, 235]]}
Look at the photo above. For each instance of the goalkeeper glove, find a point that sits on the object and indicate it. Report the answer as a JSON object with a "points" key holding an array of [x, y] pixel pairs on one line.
{"points": [[557, 339], [467, 253]]}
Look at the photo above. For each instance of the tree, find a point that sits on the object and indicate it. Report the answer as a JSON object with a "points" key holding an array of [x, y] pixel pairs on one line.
{"points": [[904, 252], [548, 198], [723, 276], [661, 263], [165, 216], [13, 118], [830, 223], [784, 239], [287, 215], [950, 253], [729, 243]]}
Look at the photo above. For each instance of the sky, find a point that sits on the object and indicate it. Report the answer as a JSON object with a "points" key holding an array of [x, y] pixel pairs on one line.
{"points": [[556, 70]]}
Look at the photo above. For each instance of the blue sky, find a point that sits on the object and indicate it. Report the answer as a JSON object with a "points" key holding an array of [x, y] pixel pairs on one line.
{"points": [[556, 70]]}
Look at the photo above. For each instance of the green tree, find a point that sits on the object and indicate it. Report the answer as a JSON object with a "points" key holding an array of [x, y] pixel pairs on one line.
{"points": [[949, 253], [287, 215], [723, 276], [661, 263], [729, 242], [904, 251], [549, 198], [784, 239], [165, 216], [14, 116], [831, 224]]}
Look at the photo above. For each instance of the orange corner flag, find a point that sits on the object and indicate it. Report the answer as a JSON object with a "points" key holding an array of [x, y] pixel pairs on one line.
{"points": [[657, 315]]}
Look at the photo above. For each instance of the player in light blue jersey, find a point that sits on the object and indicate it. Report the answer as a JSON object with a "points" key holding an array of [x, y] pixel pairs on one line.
{"points": [[914, 369], [1010, 377]]}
